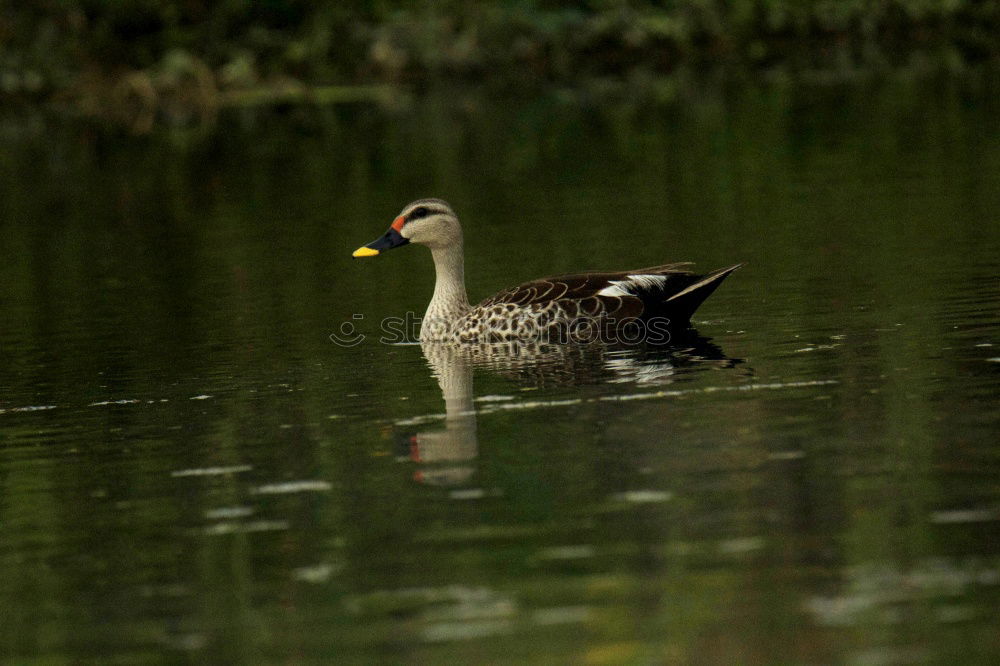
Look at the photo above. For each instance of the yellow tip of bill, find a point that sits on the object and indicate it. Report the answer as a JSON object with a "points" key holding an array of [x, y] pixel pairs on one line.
{"points": [[364, 252]]}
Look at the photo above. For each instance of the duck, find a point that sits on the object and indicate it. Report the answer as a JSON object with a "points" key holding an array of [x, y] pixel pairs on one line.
{"points": [[639, 305]]}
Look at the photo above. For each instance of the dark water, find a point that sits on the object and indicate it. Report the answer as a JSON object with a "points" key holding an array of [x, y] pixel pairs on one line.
{"points": [[192, 471]]}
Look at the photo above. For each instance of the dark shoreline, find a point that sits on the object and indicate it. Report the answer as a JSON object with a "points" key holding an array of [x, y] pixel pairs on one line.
{"points": [[145, 64]]}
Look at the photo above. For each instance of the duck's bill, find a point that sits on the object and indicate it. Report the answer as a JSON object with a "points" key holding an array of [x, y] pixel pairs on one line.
{"points": [[389, 240]]}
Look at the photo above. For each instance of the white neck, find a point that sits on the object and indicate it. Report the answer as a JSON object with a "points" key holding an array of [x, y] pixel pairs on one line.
{"points": [[449, 301]]}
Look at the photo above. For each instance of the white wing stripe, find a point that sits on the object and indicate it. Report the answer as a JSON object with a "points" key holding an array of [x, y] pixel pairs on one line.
{"points": [[614, 289], [648, 281], [633, 283]]}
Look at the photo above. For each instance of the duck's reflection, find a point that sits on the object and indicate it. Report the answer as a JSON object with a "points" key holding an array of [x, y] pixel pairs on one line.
{"points": [[446, 456]]}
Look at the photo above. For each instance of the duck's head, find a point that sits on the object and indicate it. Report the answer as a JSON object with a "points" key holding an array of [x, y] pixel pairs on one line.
{"points": [[429, 222]]}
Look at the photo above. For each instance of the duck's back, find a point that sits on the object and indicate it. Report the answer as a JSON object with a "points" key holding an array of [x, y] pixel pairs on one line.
{"points": [[585, 306]]}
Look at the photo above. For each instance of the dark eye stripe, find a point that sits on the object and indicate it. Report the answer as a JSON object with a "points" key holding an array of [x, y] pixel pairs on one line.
{"points": [[418, 213]]}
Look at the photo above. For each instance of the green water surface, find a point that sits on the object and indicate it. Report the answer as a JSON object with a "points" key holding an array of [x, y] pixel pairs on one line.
{"points": [[192, 471]]}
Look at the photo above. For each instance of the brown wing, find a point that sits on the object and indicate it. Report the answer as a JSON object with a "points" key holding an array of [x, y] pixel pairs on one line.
{"points": [[577, 285], [582, 289], [675, 297]]}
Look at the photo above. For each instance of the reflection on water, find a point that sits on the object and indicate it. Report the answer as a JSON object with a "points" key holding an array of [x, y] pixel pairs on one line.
{"points": [[452, 450], [447, 454], [190, 470]]}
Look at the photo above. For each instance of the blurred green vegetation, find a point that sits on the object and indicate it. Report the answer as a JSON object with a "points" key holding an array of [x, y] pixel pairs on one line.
{"points": [[135, 56]]}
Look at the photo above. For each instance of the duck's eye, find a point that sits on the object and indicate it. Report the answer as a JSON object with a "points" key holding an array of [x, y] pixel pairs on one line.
{"points": [[417, 214]]}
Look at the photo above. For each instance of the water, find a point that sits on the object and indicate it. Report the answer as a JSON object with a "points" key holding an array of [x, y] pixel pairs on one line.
{"points": [[192, 470]]}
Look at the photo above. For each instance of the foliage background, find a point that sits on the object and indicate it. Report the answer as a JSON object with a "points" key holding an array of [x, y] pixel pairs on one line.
{"points": [[103, 56]]}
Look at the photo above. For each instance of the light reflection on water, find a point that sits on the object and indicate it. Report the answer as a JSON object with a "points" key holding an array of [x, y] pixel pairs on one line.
{"points": [[190, 466]]}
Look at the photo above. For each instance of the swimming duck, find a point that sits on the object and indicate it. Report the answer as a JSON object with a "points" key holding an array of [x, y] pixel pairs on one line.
{"points": [[637, 305]]}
